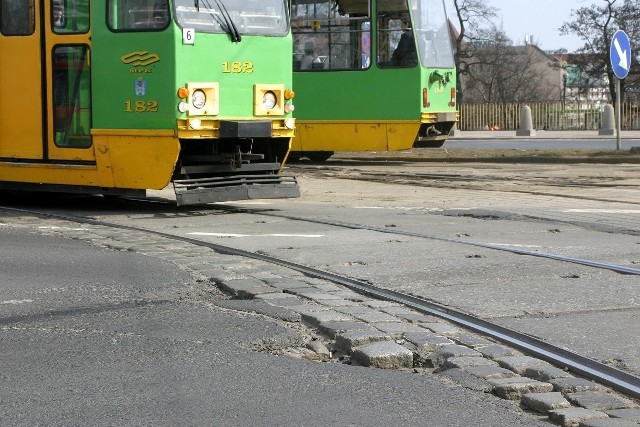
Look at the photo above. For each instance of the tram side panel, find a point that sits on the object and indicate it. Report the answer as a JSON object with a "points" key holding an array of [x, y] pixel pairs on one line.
{"points": [[133, 88], [21, 118]]}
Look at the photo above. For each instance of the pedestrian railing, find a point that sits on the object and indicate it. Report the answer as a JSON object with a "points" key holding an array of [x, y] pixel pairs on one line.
{"points": [[547, 116]]}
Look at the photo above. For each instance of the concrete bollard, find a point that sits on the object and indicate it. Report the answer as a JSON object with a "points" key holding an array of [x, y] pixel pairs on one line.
{"points": [[526, 124], [608, 127]]}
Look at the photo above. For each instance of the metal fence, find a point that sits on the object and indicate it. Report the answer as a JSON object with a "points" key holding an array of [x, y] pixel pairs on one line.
{"points": [[548, 116]]}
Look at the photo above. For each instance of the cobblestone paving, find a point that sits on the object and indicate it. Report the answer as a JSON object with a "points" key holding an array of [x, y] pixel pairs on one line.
{"points": [[346, 327]]}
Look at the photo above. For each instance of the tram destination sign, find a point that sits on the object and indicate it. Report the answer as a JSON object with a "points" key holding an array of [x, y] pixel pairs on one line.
{"points": [[620, 54]]}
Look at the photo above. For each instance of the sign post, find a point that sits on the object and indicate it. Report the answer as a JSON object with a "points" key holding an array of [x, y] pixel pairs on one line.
{"points": [[620, 55]]}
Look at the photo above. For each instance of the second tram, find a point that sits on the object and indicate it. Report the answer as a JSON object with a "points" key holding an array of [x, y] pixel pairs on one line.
{"points": [[121, 96], [371, 75]]}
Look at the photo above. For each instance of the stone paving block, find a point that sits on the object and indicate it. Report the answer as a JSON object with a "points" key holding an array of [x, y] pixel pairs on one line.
{"points": [[544, 402], [287, 284], [397, 328], [376, 317], [319, 348], [277, 295], [573, 385], [490, 372], [349, 340], [262, 275], [396, 310], [300, 291], [409, 314], [356, 309], [308, 308], [608, 422], [260, 307], [315, 318], [281, 302], [315, 295], [334, 328], [376, 303], [426, 341], [572, 417], [495, 351], [447, 351], [246, 288], [514, 388], [350, 295], [632, 414], [519, 364], [546, 373], [384, 355], [328, 287], [464, 362], [472, 341], [445, 329], [463, 378], [599, 401], [416, 318], [337, 302]]}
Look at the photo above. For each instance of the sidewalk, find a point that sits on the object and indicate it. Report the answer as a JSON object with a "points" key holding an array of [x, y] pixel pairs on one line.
{"points": [[542, 134]]}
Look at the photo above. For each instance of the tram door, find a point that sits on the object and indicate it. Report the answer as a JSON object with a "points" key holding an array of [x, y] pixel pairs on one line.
{"points": [[45, 105], [68, 59]]}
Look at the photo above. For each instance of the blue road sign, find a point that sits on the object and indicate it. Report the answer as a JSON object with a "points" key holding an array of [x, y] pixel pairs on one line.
{"points": [[620, 54]]}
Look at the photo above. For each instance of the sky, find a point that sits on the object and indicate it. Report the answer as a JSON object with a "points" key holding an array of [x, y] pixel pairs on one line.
{"points": [[538, 18]]}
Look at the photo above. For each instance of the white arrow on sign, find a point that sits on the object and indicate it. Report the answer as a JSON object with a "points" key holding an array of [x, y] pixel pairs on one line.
{"points": [[622, 54]]}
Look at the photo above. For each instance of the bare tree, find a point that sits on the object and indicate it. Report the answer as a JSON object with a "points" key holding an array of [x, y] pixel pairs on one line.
{"points": [[596, 25], [500, 72], [473, 16]]}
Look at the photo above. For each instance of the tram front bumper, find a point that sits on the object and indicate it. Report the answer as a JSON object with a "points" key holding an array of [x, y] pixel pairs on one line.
{"points": [[237, 187]]}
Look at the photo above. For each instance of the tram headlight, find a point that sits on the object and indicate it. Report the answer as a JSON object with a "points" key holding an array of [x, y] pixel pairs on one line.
{"points": [[269, 100], [198, 99]]}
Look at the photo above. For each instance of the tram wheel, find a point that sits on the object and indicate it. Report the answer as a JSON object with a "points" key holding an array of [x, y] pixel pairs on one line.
{"points": [[319, 156], [429, 144]]}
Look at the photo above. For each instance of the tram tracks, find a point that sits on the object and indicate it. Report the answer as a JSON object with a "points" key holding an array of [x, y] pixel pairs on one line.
{"points": [[536, 185], [617, 379]]}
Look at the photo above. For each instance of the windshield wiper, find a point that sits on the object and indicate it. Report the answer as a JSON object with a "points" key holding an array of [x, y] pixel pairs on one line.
{"points": [[233, 30], [227, 25]]}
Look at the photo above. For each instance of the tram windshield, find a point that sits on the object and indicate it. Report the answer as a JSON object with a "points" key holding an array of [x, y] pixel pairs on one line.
{"points": [[431, 27], [404, 24], [240, 17]]}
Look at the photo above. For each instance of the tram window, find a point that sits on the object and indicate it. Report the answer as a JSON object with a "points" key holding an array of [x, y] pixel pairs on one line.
{"points": [[70, 17], [17, 17], [396, 42], [138, 15], [71, 96], [327, 37]]}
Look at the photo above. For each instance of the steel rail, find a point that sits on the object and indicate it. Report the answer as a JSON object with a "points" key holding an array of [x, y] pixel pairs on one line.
{"points": [[589, 368], [518, 251]]}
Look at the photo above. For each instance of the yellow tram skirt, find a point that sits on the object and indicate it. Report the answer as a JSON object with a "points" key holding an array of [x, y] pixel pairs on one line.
{"points": [[354, 136], [128, 159]]}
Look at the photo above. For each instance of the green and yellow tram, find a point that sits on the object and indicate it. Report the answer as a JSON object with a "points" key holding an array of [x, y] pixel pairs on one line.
{"points": [[371, 75], [121, 96]]}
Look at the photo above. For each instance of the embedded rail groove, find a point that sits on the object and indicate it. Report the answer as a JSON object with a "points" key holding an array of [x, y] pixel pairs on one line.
{"points": [[518, 251], [617, 379]]}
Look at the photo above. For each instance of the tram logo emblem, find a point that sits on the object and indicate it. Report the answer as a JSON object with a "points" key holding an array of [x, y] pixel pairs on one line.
{"points": [[140, 58], [140, 86]]}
